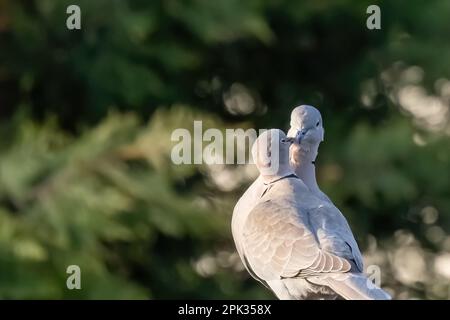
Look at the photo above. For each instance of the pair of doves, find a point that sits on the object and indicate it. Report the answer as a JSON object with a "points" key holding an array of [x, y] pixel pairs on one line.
{"points": [[288, 233]]}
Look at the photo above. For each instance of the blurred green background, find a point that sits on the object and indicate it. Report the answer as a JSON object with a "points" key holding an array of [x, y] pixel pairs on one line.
{"points": [[86, 118]]}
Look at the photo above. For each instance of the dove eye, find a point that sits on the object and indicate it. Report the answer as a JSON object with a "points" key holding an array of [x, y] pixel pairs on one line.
{"points": [[317, 124]]}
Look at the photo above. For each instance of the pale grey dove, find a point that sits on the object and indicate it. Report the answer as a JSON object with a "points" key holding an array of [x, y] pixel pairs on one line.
{"points": [[279, 242], [308, 132]]}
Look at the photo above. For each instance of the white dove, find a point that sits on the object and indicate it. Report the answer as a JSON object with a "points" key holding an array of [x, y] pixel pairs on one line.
{"points": [[307, 129], [279, 240]]}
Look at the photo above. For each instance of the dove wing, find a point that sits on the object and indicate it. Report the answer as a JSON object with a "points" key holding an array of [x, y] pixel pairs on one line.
{"points": [[334, 233], [278, 243]]}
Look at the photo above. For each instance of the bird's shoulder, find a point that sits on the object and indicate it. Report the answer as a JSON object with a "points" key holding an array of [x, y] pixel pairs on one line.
{"points": [[247, 201], [287, 187], [280, 210]]}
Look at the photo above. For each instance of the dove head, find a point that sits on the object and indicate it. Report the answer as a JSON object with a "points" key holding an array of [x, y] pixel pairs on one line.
{"points": [[271, 154], [306, 126]]}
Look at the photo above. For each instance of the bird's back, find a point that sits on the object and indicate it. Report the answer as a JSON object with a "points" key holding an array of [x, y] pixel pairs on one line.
{"points": [[327, 223], [281, 218], [288, 247]]}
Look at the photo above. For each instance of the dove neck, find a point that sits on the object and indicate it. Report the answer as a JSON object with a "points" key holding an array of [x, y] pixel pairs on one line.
{"points": [[269, 178], [307, 169]]}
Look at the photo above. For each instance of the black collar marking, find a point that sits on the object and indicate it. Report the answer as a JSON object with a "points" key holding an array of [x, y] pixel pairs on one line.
{"points": [[292, 175], [269, 184]]}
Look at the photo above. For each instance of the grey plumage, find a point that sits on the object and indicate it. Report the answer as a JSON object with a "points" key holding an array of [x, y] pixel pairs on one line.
{"points": [[285, 240], [282, 244], [334, 230]]}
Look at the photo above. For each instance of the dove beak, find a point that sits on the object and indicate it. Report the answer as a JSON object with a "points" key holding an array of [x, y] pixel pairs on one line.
{"points": [[288, 140], [300, 135]]}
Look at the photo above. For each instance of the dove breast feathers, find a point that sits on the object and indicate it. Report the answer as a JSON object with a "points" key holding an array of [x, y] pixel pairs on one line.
{"points": [[279, 240]]}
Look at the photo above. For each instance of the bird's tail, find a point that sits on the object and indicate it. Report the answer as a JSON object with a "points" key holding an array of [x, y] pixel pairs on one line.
{"points": [[352, 286]]}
